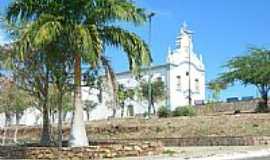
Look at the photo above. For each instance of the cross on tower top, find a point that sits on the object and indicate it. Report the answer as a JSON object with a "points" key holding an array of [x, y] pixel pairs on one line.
{"points": [[184, 39]]}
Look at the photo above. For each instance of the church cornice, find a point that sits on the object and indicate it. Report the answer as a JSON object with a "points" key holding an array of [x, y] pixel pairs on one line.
{"points": [[192, 64], [153, 68]]}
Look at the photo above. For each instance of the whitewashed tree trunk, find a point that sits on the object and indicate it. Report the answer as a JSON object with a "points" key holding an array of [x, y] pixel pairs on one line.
{"points": [[15, 135], [60, 108], [78, 136], [8, 120], [4, 136]]}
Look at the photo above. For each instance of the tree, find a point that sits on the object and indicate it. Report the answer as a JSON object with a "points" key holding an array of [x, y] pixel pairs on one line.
{"points": [[88, 107], [22, 100], [110, 85], [122, 95], [216, 87], [67, 104], [61, 68], [88, 27], [157, 90], [13, 100], [250, 69], [60, 102], [31, 74]]}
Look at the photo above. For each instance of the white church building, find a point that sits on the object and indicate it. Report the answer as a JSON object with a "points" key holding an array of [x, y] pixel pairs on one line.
{"points": [[183, 75]]}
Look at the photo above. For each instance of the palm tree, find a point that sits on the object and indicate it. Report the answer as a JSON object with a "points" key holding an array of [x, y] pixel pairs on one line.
{"points": [[88, 26]]}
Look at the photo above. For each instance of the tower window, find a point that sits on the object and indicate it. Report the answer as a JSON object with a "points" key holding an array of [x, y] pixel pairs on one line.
{"points": [[197, 85], [187, 73], [178, 83]]}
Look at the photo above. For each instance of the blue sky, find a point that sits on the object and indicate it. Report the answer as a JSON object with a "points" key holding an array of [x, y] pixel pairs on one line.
{"points": [[223, 29]]}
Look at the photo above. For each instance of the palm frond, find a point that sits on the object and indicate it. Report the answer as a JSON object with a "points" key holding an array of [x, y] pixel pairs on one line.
{"points": [[25, 10], [137, 50], [48, 29], [97, 45], [104, 11], [38, 34]]}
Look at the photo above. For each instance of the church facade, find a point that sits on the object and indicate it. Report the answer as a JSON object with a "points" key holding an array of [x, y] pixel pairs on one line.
{"points": [[183, 75]]}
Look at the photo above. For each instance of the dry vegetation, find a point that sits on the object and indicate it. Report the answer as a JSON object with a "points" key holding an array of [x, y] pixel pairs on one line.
{"points": [[224, 125]]}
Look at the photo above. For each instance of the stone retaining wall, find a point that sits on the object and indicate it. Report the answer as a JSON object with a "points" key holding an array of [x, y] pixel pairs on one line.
{"points": [[228, 107], [204, 141], [217, 141], [94, 152]]}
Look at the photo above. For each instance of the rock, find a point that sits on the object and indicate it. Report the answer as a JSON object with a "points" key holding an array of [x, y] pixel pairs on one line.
{"points": [[138, 148]]}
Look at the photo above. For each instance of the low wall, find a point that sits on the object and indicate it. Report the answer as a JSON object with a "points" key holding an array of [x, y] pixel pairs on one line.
{"points": [[228, 107], [93, 152], [204, 141], [216, 141]]}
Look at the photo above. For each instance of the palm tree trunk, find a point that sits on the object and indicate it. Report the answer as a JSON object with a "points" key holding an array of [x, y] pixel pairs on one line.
{"points": [[122, 109], [45, 137], [53, 118], [18, 117], [78, 137], [88, 114], [64, 116], [8, 119], [114, 113], [265, 99], [153, 106], [60, 132]]}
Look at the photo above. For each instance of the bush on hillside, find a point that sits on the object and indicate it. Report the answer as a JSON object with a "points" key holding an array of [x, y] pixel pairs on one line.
{"points": [[237, 111], [184, 111], [164, 112], [261, 108], [145, 114], [209, 108]]}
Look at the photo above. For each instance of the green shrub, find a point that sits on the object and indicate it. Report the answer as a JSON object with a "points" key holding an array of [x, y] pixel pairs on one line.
{"points": [[261, 107], [209, 108], [237, 111], [164, 112], [145, 114], [184, 111], [169, 152]]}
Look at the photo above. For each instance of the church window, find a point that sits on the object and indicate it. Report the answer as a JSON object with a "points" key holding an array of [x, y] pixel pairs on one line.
{"points": [[130, 110], [178, 84], [197, 85], [187, 73], [159, 78]]}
